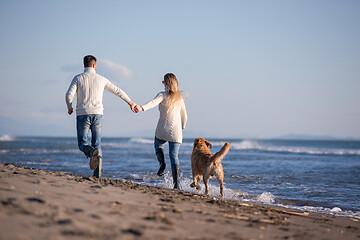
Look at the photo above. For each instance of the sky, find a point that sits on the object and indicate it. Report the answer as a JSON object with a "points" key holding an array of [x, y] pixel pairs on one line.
{"points": [[248, 69]]}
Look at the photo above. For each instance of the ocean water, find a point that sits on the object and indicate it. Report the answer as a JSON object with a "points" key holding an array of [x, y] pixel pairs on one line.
{"points": [[318, 176]]}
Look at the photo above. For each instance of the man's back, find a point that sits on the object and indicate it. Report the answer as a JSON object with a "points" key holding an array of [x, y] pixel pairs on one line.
{"points": [[89, 88]]}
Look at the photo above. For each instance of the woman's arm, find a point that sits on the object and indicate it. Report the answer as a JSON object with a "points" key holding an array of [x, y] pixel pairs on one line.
{"points": [[183, 115], [153, 103]]}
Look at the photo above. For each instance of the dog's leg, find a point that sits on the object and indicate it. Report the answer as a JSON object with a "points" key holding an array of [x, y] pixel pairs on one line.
{"points": [[206, 182], [198, 179], [221, 184], [195, 183], [220, 179]]}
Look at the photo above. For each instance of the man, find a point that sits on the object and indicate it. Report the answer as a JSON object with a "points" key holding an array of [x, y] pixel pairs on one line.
{"points": [[89, 88]]}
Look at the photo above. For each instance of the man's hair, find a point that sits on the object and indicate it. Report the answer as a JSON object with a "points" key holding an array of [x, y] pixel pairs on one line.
{"points": [[89, 60]]}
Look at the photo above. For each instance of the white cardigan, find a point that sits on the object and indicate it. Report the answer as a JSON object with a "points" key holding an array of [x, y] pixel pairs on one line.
{"points": [[89, 88], [170, 125]]}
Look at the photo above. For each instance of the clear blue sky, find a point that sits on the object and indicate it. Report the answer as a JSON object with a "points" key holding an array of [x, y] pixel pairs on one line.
{"points": [[249, 68]]}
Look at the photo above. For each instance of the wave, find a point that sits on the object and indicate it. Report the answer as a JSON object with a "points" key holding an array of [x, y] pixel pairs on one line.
{"points": [[332, 211], [266, 197], [45, 151], [254, 145], [6, 138], [142, 140], [266, 147]]}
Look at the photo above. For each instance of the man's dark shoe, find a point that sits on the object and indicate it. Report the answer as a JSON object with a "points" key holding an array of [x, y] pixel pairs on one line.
{"points": [[92, 153]]}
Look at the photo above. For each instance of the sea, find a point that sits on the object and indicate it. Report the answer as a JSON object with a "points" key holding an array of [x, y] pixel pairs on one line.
{"points": [[308, 175]]}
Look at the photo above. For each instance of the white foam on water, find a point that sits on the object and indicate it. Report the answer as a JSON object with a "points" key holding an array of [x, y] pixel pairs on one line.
{"points": [[332, 211], [46, 151], [7, 138], [254, 145], [249, 145], [266, 197], [336, 209], [111, 144], [136, 176], [39, 163], [246, 144], [142, 140], [214, 190]]}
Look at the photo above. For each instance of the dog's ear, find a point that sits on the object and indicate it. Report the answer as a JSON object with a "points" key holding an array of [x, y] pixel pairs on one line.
{"points": [[196, 142], [208, 144]]}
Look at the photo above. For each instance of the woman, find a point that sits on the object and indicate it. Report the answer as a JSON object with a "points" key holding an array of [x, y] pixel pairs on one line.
{"points": [[172, 121]]}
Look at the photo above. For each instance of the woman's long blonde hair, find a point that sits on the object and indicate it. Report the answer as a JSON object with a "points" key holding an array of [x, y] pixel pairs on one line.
{"points": [[174, 95]]}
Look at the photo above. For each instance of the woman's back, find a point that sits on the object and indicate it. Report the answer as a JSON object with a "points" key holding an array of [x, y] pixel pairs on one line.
{"points": [[171, 121]]}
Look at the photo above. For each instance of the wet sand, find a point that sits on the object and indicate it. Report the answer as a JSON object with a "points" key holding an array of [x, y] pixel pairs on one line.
{"points": [[38, 204]]}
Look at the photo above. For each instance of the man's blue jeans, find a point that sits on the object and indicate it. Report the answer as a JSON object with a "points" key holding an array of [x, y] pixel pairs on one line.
{"points": [[173, 149], [84, 123]]}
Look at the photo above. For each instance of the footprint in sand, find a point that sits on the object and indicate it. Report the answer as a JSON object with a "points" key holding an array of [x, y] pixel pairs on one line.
{"points": [[38, 200], [10, 202], [95, 216], [64, 221], [78, 210], [133, 231], [73, 233], [155, 216]]}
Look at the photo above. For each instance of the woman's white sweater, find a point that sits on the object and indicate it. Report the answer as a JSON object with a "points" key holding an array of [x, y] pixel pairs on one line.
{"points": [[170, 124]]}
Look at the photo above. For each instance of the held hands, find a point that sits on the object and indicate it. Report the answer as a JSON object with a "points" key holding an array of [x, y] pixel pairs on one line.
{"points": [[135, 108], [132, 106], [138, 108], [70, 111]]}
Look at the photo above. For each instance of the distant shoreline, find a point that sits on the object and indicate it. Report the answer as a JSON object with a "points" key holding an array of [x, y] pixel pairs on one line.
{"points": [[9, 137]]}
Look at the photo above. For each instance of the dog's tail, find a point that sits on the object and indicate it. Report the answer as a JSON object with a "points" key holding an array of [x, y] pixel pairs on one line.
{"points": [[221, 154]]}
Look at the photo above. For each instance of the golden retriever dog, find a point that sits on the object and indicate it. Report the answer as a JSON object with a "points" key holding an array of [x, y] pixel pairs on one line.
{"points": [[204, 164]]}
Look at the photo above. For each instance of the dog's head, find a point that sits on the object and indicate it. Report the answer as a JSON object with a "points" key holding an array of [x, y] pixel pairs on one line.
{"points": [[201, 142]]}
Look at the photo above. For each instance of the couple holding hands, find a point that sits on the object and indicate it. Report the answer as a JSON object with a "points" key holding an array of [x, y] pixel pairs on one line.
{"points": [[89, 88]]}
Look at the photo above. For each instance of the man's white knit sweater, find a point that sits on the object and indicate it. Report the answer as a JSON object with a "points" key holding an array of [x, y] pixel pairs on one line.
{"points": [[170, 124], [89, 88]]}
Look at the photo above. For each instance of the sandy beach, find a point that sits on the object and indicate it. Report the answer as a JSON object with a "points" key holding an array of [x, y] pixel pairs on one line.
{"points": [[38, 204]]}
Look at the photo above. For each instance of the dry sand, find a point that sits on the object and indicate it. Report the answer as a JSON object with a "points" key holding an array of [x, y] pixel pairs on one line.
{"points": [[37, 204]]}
